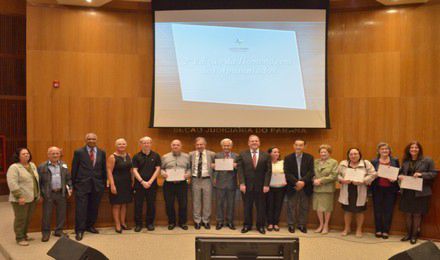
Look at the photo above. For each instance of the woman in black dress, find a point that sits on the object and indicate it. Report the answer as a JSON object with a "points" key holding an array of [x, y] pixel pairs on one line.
{"points": [[120, 180], [416, 203]]}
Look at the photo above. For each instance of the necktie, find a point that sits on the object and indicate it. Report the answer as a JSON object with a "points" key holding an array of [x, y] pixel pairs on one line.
{"points": [[226, 155], [199, 166], [254, 159], [92, 156]]}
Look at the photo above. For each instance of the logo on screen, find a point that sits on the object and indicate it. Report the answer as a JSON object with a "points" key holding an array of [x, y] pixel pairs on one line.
{"points": [[238, 46]]}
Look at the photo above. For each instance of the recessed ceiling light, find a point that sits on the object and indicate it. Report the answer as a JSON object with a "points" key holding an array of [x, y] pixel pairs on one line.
{"points": [[392, 11], [89, 1]]}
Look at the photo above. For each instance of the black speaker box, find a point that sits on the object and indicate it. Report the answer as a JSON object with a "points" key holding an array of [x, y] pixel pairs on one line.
{"points": [[67, 249], [425, 251]]}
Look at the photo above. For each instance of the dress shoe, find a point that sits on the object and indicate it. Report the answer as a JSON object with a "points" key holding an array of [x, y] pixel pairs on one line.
{"points": [[184, 227], [207, 225], [276, 228], [262, 230], [137, 229], [269, 228], [171, 226], [118, 230], [45, 238], [197, 226], [92, 230], [60, 234], [291, 229], [231, 226], [79, 236], [219, 226], [125, 227], [303, 229], [245, 229], [413, 240], [406, 238], [23, 243], [150, 227], [385, 236]]}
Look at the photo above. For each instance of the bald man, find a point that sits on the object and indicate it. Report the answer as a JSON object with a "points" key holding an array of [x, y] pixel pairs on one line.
{"points": [[89, 177], [55, 186]]}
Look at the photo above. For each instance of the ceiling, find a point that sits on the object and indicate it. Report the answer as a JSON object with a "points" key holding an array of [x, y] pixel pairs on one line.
{"points": [[334, 4]]}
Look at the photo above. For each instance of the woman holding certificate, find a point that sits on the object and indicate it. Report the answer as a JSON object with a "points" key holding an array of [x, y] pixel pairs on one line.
{"points": [[326, 173], [354, 174], [416, 177], [384, 189], [275, 196]]}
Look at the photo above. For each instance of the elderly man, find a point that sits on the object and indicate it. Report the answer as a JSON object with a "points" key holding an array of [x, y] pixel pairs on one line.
{"points": [[225, 183], [146, 168], [201, 171], [254, 173], [176, 171], [55, 186], [89, 176]]}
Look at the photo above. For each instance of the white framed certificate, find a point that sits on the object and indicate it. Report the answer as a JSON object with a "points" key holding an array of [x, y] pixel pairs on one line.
{"points": [[354, 175], [175, 174], [411, 183], [278, 179], [224, 164], [388, 172]]}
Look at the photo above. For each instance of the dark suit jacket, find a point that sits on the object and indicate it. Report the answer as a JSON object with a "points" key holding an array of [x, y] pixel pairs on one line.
{"points": [[426, 167], [46, 179], [254, 179], [393, 162], [307, 172], [225, 179], [85, 176]]}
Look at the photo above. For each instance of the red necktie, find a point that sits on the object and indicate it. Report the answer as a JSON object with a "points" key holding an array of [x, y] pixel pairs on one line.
{"points": [[226, 155], [254, 159], [92, 156]]}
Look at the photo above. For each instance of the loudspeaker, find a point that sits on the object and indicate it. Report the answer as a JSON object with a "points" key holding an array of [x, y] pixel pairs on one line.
{"points": [[67, 249], [427, 250]]}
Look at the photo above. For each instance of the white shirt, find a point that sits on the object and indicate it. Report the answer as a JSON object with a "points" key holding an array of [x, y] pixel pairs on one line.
{"points": [[205, 172], [257, 153]]}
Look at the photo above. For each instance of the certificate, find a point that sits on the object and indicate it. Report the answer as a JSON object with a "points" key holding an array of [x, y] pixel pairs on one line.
{"points": [[411, 183], [175, 174], [388, 172], [278, 179], [224, 164], [354, 175]]}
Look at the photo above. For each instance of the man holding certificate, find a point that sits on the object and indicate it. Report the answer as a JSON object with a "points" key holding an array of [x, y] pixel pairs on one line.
{"points": [[201, 171], [354, 174], [416, 178], [176, 170], [224, 179], [254, 171]]}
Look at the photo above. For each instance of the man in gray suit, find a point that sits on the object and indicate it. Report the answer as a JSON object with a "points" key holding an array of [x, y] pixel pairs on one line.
{"points": [[55, 186], [201, 171], [225, 183]]}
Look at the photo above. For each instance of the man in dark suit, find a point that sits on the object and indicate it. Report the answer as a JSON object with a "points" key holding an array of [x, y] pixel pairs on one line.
{"points": [[89, 176], [254, 171], [225, 183], [299, 170], [55, 187]]}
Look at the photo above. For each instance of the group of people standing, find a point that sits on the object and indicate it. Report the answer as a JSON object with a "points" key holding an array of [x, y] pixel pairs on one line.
{"points": [[263, 178]]}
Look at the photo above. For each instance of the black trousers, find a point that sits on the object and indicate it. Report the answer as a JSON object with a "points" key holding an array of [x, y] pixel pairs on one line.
{"points": [[274, 204], [250, 198], [171, 191], [60, 202], [383, 204], [149, 195], [86, 211]]}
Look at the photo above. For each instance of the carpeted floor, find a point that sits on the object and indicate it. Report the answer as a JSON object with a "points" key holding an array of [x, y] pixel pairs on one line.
{"points": [[179, 244]]}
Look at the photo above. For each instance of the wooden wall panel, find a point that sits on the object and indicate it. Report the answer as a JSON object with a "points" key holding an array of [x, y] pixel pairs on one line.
{"points": [[12, 78], [383, 85]]}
